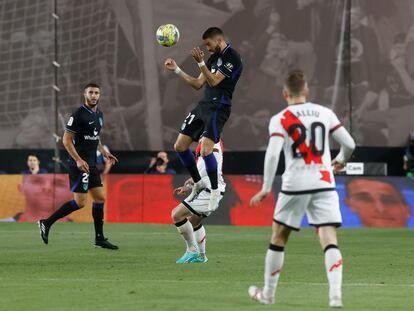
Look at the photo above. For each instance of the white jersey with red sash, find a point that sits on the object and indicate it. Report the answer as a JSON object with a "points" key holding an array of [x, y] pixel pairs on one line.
{"points": [[306, 128]]}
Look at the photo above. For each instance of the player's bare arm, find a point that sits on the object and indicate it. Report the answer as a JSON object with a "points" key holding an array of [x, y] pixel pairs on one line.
{"points": [[67, 140], [196, 83], [183, 190], [258, 198], [211, 78], [109, 156]]}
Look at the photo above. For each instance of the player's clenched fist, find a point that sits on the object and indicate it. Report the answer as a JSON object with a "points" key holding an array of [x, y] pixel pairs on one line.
{"points": [[170, 64], [338, 167], [197, 54]]}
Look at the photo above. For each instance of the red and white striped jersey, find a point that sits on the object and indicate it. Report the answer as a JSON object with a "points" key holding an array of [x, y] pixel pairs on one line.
{"points": [[305, 128]]}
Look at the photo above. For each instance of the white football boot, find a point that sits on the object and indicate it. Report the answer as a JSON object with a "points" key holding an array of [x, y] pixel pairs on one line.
{"points": [[257, 294], [335, 302]]}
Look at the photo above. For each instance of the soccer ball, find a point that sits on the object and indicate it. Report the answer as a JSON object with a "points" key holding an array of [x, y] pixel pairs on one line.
{"points": [[168, 35]]}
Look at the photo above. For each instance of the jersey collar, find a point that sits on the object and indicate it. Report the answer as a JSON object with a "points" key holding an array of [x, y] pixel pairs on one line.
{"points": [[89, 110], [225, 49]]}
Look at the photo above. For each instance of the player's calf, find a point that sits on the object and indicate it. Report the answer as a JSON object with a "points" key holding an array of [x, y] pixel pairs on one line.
{"points": [[45, 224], [333, 266], [200, 236], [179, 216]]}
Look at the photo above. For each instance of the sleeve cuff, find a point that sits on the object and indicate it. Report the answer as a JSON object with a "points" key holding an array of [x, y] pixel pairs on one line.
{"points": [[335, 128], [266, 187], [277, 134], [69, 130], [223, 73]]}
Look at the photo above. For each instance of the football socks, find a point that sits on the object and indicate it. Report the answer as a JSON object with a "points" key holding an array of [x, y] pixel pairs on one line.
{"points": [[188, 160], [333, 265], [186, 230], [66, 209], [98, 219], [273, 266]]}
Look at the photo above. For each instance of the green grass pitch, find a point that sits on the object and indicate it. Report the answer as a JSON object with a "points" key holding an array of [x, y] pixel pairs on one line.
{"points": [[69, 274]]}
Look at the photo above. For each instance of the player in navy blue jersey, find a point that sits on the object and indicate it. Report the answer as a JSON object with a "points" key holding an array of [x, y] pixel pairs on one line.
{"points": [[81, 140], [219, 76]]}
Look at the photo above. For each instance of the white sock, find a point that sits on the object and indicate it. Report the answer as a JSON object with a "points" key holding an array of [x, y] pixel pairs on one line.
{"points": [[200, 236], [186, 230], [273, 266], [333, 265]]}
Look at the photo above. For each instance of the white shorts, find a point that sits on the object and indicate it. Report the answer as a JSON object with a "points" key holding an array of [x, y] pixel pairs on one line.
{"points": [[199, 205], [321, 208]]}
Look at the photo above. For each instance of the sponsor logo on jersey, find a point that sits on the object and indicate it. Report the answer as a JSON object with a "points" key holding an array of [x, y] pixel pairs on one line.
{"points": [[95, 132], [89, 137], [92, 122], [229, 66]]}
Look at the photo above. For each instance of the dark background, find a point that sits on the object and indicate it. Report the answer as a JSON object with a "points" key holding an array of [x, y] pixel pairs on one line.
{"points": [[358, 56]]}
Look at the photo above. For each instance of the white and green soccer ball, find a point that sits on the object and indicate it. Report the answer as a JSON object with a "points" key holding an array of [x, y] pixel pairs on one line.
{"points": [[167, 35]]}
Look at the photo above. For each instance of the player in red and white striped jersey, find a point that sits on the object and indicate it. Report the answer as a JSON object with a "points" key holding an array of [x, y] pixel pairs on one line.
{"points": [[302, 131], [188, 215]]}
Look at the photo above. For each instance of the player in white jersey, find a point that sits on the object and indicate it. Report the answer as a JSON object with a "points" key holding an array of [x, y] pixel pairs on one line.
{"points": [[188, 215], [308, 186]]}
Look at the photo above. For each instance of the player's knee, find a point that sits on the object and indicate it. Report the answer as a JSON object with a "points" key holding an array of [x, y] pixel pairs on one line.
{"points": [[100, 200], [206, 151], [280, 237], [207, 147], [81, 203], [279, 240], [179, 147], [174, 215], [195, 220]]}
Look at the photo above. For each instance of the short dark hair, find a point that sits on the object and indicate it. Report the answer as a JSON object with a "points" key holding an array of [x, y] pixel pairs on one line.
{"points": [[212, 32], [91, 84], [295, 82]]}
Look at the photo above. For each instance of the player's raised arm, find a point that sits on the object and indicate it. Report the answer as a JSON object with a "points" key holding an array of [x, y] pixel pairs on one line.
{"points": [[196, 83], [67, 140], [212, 79], [347, 143]]}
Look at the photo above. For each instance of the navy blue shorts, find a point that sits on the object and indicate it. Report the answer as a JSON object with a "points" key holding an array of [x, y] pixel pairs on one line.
{"points": [[207, 120], [81, 182]]}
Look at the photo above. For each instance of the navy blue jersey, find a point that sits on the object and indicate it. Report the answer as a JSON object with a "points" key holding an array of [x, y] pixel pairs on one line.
{"points": [[86, 125], [229, 63]]}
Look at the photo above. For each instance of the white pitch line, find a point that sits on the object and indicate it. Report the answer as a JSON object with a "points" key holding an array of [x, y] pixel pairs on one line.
{"points": [[204, 282], [4, 232]]}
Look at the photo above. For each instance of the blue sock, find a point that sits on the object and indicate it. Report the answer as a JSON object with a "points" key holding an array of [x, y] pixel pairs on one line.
{"points": [[63, 211], [98, 219], [188, 160], [211, 168]]}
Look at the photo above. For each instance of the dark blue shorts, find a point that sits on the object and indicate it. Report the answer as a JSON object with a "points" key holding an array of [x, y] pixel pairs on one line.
{"points": [[207, 120], [81, 182]]}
